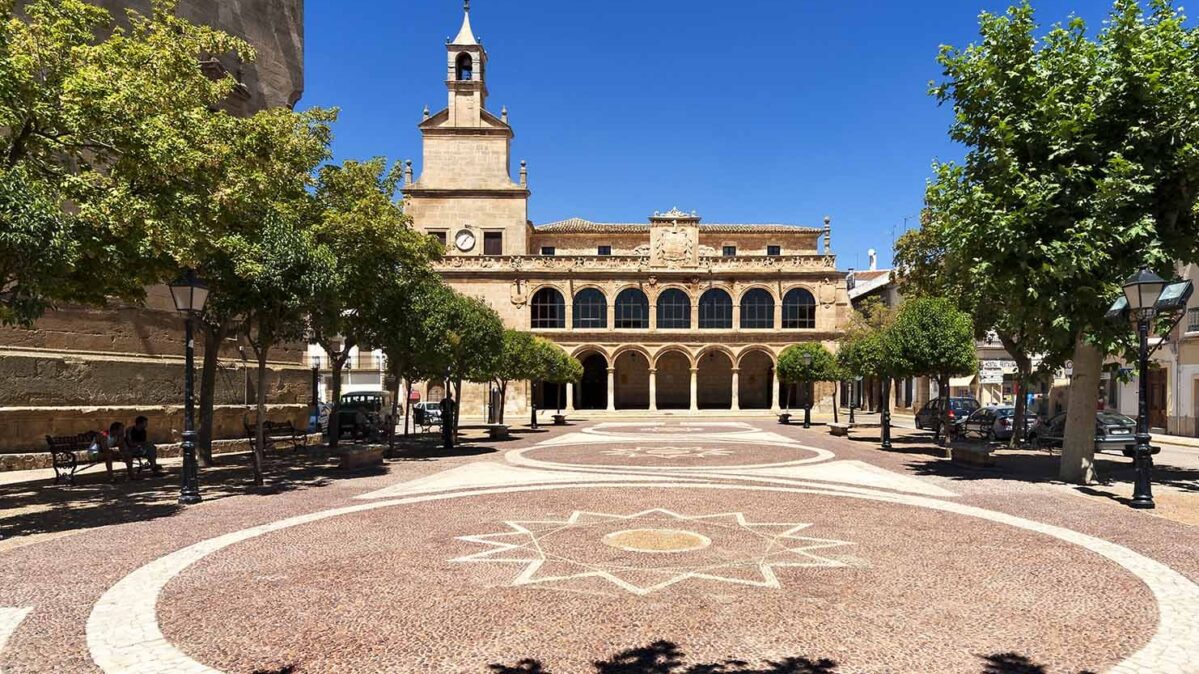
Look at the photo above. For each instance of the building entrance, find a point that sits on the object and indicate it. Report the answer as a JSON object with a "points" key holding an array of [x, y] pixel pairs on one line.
{"points": [[592, 391]]}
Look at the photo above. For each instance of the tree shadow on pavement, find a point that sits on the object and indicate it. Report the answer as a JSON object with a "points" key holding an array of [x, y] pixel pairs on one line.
{"points": [[665, 657], [1013, 663], [42, 507], [1038, 466]]}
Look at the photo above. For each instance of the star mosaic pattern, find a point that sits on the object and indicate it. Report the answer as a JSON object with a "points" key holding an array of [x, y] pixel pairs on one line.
{"points": [[653, 549], [668, 452]]}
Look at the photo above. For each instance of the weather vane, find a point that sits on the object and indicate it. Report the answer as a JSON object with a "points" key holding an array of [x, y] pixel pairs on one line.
{"points": [[466, 5]]}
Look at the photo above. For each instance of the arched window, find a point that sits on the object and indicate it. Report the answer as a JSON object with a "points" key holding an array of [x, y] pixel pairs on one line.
{"points": [[674, 310], [591, 309], [799, 310], [757, 310], [549, 310], [632, 310], [715, 310], [466, 66]]}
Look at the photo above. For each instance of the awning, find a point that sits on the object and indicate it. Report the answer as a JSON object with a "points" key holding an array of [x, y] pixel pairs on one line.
{"points": [[961, 382]]}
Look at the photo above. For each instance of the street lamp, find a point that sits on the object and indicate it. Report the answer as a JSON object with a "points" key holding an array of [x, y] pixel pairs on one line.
{"points": [[189, 294], [807, 408], [447, 414], [1146, 296]]}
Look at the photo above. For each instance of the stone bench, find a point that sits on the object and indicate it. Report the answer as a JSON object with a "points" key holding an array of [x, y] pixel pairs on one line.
{"points": [[559, 419], [498, 431], [785, 419], [971, 456], [839, 429], [357, 458]]}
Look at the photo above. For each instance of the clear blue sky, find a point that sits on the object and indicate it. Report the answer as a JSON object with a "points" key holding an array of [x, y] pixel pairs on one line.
{"points": [[757, 111]]}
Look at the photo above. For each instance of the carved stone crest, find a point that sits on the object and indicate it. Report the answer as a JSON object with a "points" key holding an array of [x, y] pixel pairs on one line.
{"points": [[519, 293], [674, 246]]}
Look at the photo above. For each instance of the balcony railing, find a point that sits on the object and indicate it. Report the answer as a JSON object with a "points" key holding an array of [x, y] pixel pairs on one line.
{"points": [[717, 263]]}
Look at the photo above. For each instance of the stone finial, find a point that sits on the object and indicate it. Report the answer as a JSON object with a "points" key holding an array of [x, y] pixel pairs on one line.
{"points": [[524, 173], [504, 114], [466, 5], [828, 235], [408, 172], [426, 112]]}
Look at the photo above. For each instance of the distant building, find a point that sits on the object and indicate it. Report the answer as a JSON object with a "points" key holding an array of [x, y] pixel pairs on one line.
{"points": [[667, 313]]}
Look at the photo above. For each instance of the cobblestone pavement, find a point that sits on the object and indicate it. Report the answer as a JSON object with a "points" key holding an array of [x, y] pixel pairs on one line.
{"points": [[630, 547]]}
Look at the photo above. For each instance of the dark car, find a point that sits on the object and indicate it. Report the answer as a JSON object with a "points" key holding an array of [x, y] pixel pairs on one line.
{"points": [[931, 414], [363, 412], [994, 423], [1114, 432]]}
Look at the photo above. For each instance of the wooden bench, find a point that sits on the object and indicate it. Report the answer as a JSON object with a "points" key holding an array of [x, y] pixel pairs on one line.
{"points": [[65, 451], [274, 432]]}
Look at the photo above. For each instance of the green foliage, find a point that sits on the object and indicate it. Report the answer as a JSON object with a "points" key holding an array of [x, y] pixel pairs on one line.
{"points": [[558, 367], [520, 358], [865, 349], [467, 336], [821, 365], [930, 336], [1083, 166], [111, 121]]}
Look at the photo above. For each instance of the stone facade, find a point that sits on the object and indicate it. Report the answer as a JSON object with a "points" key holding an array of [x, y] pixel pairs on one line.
{"points": [[672, 313], [81, 368]]}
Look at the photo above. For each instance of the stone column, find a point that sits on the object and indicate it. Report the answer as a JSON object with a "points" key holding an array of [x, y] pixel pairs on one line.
{"points": [[695, 315], [612, 314], [736, 407], [736, 315], [778, 313], [694, 389], [570, 313], [570, 397], [653, 389], [774, 390], [611, 389]]}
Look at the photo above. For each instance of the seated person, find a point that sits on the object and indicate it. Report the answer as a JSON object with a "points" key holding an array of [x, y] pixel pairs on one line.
{"points": [[102, 449], [139, 446]]}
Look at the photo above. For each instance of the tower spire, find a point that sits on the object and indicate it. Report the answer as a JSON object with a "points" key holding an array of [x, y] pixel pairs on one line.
{"points": [[465, 36]]}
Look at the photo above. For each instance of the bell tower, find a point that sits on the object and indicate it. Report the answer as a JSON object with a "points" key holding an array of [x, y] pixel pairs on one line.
{"points": [[467, 75], [465, 195]]}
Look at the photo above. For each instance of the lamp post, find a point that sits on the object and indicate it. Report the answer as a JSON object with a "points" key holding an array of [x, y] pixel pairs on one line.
{"points": [[886, 420], [189, 294], [533, 403], [1146, 296], [447, 415], [807, 408]]}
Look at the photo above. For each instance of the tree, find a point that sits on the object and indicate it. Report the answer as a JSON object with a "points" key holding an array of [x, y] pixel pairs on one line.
{"points": [[555, 366], [819, 365], [361, 223], [102, 118], [260, 166], [282, 269], [466, 338], [520, 358], [1081, 168], [866, 350], [931, 337]]}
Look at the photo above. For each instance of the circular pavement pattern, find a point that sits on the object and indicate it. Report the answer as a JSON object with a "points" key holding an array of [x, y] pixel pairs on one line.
{"points": [[460, 584], [675, 453]]}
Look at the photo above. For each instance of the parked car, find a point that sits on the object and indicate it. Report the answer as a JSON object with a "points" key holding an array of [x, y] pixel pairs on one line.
{"points": [[994, 423], [375, 409], [1114, 432], [426, 414], [931, 414]]}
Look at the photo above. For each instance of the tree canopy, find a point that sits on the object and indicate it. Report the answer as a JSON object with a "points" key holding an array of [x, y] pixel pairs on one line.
{"points": [[821, 364]]}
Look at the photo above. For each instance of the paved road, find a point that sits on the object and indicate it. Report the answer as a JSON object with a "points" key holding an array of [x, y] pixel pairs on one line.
{"points": [[623, 547]]}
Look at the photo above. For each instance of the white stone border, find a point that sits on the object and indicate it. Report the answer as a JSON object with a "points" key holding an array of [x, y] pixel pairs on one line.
{"points": [[123, 635], [517, 457]]}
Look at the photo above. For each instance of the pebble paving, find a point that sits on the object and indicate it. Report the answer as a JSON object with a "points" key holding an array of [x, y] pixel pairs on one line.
{"points": [[566, 577]]}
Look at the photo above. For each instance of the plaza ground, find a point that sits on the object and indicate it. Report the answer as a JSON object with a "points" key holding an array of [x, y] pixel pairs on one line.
{"points": [[677, 546]]}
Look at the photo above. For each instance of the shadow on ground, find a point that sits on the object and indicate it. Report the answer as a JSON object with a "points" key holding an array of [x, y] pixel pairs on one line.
{"points": [[665, 657], [42, 507]]}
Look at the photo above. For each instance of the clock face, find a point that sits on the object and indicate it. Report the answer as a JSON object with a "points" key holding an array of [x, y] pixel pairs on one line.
{"points": [[465, 240]]}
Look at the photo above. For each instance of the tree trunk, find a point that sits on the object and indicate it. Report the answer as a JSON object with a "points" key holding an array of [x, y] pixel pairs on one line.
{"points": [[395, 408], [335, 413], [213, 337], [258, 454], [836, 401], [407, 406], [1021, 412], [1078, 447], [945, 432], [499, 415]]}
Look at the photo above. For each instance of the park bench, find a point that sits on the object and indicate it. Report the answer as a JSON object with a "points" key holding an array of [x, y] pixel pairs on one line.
{"points": [[65, 451], [274, 432]]}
